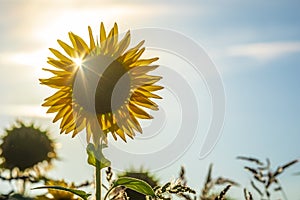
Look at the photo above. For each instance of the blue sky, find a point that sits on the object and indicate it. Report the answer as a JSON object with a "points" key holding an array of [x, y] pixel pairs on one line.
{"points": [[254, 44]]}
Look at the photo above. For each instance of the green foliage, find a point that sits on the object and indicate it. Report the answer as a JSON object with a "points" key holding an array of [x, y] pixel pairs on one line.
{"points": [[79, 193], [142, 175], [96, 154], [135, 184]]}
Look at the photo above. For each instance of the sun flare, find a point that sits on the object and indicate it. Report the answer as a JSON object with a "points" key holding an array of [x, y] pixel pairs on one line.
{"points": [[77, 61]]}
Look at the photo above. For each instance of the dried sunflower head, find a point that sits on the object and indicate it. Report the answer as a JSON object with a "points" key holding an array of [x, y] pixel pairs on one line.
{"points": [[26, 148]]}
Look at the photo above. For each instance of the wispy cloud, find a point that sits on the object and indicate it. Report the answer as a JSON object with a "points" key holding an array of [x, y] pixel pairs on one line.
{"points": [[25, 110], [264, 51]]}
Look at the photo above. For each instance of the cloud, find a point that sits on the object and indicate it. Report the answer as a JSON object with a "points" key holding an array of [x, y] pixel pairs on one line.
{"points": [[17, 110], [264, 51]]}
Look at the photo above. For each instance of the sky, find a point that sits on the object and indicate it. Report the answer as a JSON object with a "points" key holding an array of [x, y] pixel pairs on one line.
{"points": [[255, 46]]}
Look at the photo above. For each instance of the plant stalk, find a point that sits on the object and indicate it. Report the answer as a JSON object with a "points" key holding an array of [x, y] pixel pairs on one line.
{"points": [[98, 180]]}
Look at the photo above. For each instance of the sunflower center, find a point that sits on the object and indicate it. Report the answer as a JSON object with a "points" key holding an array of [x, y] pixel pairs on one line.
{"points": [[101, 85]]}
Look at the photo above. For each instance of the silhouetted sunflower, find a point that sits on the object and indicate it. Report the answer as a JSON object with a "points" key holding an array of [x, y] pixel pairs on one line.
{"points": [[101, 86], [25, 148]]}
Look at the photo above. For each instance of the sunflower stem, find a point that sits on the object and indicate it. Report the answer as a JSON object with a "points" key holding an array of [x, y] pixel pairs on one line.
{"points": [[98, 180]]}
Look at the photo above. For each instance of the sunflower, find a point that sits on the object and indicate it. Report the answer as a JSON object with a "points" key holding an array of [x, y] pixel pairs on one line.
{"points": [[58, 194], [101, 87], [26, 148]]}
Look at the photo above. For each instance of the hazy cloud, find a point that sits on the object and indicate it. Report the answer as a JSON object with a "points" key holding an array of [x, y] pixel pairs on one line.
{"points": [[264, 51]]}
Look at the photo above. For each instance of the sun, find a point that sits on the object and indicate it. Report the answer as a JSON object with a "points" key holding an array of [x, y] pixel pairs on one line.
{"points": [[102, 87], [78, 61]]}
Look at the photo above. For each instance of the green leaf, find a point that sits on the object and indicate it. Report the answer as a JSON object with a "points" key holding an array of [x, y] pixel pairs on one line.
{"points": [[136, 185], [79, 193], [96, 154]]}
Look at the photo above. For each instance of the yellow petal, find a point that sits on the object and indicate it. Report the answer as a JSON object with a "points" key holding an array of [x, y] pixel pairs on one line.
{"points": [[144, 62], [128, 132], [146, 93], [79, 44], [62, 112], [123, 44], [121, 134], [54, 109], [57, 81], [114, 135], [139, 70], [143, 101], [61, 64], [56, 95], [80, 125], [132, 51], [102, 33], [152, 87], [134, 123], [58, 101], [67, 128], [138, 112], [113, 31], [60, 55], [135, 57], [57, 72], [70, 128], [96, 132], [145, 80], [92, 41], [112, 38], [88, 129], [121, 119], [69, 50], [67, 120]]}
